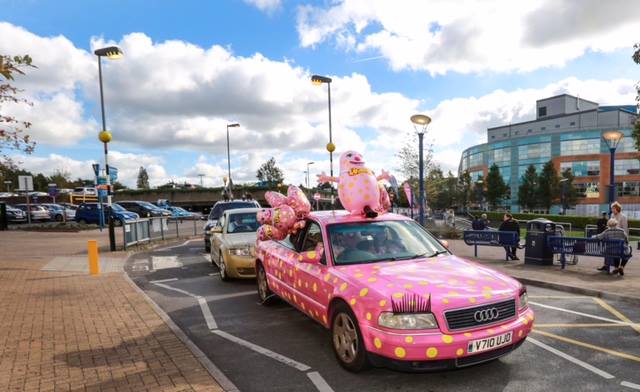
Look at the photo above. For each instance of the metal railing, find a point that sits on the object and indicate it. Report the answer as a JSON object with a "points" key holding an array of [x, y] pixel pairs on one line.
{"points": [[157, 228], [585, 247]]}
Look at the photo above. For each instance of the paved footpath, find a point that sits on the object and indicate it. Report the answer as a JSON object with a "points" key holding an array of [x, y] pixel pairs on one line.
{"points": [[67, 331], [582, 277]]}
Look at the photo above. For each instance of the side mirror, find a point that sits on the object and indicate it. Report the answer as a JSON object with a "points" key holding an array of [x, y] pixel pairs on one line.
{"points": [[312, 256], [445, 243], [216, 229]]}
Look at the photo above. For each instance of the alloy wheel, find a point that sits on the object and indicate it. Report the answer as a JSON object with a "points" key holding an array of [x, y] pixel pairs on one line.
{"points": [[345, 338]]}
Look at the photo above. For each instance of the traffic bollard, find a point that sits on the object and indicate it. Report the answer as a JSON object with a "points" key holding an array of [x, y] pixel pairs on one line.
{"points": [[94, 263]]}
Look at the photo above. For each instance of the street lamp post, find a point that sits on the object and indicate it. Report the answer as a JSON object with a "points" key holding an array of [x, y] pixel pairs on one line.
{"points": [[318, 80], [479, 189], [308, 164], [234, 125], [563, 196], [420, 123], [111, 53], [612, 138]]}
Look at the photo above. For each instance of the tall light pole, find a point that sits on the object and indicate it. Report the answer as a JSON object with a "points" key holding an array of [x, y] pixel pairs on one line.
{"points": [[479, 190], [201, 183], [308, 164], [563, 196], [318, 80], [420, 123], [234, 125], [111, 53], [612, 138]]}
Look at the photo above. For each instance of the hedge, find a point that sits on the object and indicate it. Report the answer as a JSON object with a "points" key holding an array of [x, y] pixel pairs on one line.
{"points": [[577, 222]]}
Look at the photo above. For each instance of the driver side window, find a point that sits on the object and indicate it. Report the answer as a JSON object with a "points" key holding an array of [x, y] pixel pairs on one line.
{"points": [[312, 238]]}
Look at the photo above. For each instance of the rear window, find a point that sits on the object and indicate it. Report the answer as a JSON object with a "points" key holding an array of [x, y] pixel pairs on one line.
{"points": [[219, 208]]}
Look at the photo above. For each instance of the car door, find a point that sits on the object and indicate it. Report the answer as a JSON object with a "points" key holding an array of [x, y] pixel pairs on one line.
{"points": [[217, 238], [309, 276]]}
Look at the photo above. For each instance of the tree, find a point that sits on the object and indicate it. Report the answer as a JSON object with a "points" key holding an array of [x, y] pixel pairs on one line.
{"points": [[463, 191], [410, 159], [13, 132], [270, 173], [636, 128], [478, 191], [496, 187], [434, 181], [143, 178], [570, 198], [548, 186], [527, 191]]}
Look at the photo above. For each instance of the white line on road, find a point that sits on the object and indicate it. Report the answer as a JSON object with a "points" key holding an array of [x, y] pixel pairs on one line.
{"points": [[163, 280], [175, 246], [569, 358], [264, 351], [214, 273], [233, 295], [578, 313], [176, 289], [630, 385], [206, 312], [319, 382]]}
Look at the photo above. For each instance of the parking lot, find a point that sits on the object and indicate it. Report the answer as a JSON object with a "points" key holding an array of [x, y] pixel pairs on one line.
{"points": [[579, 342]]}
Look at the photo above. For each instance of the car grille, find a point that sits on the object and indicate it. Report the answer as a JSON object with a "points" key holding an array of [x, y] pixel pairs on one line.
{"points": [[464, 318]]}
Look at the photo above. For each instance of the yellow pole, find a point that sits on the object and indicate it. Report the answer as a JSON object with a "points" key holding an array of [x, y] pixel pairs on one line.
{"points": [[94, 265]]}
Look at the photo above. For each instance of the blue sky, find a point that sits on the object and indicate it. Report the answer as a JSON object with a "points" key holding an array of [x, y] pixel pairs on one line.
{"points": [[478, 67]]}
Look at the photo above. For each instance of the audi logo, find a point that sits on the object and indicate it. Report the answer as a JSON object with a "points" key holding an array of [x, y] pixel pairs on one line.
{"points": [[482, 316]]}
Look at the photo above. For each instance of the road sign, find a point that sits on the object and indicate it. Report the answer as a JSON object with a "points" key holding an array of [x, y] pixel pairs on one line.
{"points": [[96, 168], [52, 190], [113, 173], [25, 183], [102, 180]]}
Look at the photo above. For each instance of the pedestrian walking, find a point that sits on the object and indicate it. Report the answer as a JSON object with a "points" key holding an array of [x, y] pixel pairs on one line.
{"points": [[510, 224], [613, 232], [480, 223]]}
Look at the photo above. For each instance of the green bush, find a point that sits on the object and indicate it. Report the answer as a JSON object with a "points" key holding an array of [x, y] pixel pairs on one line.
{"points": [[577, 222]]}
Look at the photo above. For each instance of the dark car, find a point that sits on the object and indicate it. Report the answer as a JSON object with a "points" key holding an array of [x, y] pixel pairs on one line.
{"points": [[15, 214], [145, 209], [216, 212], [90, 213]]}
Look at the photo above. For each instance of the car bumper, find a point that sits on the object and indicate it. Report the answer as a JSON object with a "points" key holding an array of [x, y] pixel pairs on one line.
{"points": [[435, 351], [241, 266]]}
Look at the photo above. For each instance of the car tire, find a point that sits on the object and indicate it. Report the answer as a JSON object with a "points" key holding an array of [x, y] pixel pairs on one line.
{"points": [[207, 246], [346, 339], [223, 269], [58, 218], [264, 292]]}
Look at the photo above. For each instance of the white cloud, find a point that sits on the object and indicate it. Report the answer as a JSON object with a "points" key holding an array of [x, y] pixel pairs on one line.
{"points": [[265, 5], [472, 36]]}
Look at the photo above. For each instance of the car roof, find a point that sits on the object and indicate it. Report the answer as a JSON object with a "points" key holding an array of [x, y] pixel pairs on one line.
{"points": [[342, 216], [234, 201], [241, 210]]}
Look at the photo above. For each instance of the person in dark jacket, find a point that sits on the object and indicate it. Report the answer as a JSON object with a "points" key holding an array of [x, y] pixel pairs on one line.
{"points": [[480, 223], [602, 222], [510, 224]]}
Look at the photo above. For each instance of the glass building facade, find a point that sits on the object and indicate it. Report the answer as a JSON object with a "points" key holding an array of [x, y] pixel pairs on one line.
{"points": [[574, 142]]}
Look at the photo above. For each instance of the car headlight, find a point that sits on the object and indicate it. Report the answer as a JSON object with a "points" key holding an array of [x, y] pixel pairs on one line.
{"points": [[407, 320], [524, 300], [244, 251]]}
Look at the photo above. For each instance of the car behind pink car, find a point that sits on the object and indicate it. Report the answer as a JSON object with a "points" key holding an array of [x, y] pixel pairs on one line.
{"points": [[392, 294]]}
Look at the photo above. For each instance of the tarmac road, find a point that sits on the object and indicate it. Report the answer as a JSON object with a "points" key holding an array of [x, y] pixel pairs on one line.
{"points": [[579, 343]]}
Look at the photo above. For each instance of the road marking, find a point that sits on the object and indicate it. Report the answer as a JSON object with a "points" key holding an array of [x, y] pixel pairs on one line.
{"points": [[588, 345], [165, 262], [630, 385], [176, 289], [319, 382], [616, 313], [578, 313], [206, 312], [559, 296], [214, 273], [592, 325], [175, 246], [569, 358], [264, 351], [232, 295], [163, 280]]}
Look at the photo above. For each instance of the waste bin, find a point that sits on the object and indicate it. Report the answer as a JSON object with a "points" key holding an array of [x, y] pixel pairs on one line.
{"points": [[537, 251]]}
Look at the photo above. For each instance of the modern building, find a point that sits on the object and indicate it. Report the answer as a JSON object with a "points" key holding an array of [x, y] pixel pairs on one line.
{"points": [[567, 130]]}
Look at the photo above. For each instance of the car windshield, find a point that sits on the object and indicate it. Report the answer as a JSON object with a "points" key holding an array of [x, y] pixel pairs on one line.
{"points": [[149, 205], [220, 208], [117, 207], [370, 242], [242, 223]]}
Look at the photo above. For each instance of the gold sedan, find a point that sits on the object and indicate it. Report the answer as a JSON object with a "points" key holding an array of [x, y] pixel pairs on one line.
{"points": [[233, 242]]}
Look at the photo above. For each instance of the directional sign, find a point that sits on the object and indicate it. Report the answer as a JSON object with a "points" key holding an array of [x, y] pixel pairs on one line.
{"points": [[25, 183], [113, 173], [52, 190], [96, 168]]}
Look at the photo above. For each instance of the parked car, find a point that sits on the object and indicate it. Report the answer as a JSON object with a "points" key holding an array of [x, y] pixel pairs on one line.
{"points": [[58, 212], [233, 243], [15, 215], [145, 209], [85, 191], [392, 294], [179, 213], [90, 213], [216, 212], [38, 213], [69, 206]]}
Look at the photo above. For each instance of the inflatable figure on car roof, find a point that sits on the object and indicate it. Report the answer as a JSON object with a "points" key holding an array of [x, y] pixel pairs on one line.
{"points": [[360, 191]]}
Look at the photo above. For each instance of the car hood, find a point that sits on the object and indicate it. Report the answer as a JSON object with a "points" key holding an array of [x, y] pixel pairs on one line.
{"points": [[234, 240], [447, 281]]}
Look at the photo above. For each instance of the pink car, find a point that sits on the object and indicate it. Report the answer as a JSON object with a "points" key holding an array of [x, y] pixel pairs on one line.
{"points": [[392, 294]]}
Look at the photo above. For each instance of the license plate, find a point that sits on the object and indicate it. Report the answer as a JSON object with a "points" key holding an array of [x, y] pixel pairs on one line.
{"points": [[476, 346]]}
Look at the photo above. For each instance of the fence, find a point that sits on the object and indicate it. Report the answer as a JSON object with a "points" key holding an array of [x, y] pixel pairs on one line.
{"points": [[149, 229]]}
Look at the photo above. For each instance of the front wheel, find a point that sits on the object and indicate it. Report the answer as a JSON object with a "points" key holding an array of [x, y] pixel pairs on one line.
{"points": [[264, 293], [223, 269], [348, 345]]}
